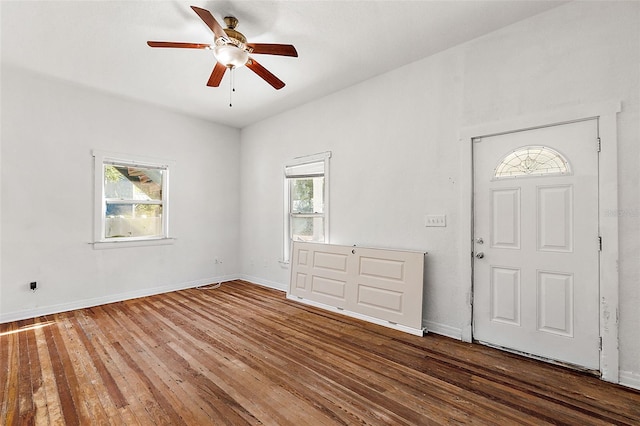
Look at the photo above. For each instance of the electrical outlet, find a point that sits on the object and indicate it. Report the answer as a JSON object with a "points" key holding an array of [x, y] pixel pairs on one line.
{"points": [[33, 285], [435, 220]]}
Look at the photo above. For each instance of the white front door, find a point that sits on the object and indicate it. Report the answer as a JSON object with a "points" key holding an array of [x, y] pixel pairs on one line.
{"points": [[536, 243]]}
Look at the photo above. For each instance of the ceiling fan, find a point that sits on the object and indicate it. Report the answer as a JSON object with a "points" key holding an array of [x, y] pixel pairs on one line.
{"points": [[231, 50]]}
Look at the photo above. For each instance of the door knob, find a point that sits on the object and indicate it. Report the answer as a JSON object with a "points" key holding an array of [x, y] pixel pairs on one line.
{"points": [[480, 255]]}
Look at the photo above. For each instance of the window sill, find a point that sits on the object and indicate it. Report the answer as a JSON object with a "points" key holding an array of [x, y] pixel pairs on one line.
{"points": [[101, 245]]}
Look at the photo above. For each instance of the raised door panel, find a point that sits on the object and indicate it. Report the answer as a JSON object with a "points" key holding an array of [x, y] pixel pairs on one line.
{"points": [[300, 259], [505, 295], [555, 303], [505, 218], [555, 218]]}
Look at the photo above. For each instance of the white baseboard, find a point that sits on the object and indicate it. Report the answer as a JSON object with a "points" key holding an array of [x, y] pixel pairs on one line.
{"points": [[443, 329], [96, 301], [630, 379], [265, 283]]}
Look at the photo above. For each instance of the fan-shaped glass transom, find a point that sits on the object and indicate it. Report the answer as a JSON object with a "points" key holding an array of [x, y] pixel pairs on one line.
{"points": [[532, 161]]}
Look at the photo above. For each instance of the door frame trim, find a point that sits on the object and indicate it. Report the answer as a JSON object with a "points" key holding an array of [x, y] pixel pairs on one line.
{"points": [[606, 113]]}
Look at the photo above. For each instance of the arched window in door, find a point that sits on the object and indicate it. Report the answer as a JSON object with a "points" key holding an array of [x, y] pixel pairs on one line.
{"points": [[532, 161]]}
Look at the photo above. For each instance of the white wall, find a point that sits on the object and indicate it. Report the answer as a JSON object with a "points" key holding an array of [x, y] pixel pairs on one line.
{"points": [[49, 129], [396, 153]]}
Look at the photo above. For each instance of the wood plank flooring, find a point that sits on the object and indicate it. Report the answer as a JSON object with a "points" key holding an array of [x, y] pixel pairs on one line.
{"points": [[243, 354]]}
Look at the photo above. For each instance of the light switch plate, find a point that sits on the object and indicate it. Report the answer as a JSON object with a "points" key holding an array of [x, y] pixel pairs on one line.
{"points": [[435, 220]]}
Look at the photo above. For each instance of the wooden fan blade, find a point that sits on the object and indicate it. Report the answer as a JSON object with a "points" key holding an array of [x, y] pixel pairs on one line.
{"points": [[265, 74], [273, 49], [216, 75], [211, 22], [178, 44]]}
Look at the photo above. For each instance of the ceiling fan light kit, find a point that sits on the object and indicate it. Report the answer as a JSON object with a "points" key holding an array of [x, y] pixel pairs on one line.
{"points": [[231, 50], [230, 56]]}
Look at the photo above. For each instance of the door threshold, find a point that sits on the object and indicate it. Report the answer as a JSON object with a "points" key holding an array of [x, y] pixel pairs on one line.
{"points": [[575, 367]]}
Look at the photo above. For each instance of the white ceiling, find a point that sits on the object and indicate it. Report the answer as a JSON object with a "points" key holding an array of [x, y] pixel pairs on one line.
{"points": [[102, 45]]}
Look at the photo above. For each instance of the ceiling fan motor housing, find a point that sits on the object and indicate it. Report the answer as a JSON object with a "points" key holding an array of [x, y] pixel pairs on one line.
{"points": [[232, 23]]}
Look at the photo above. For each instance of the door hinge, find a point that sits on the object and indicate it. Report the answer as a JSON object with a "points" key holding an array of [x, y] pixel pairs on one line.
{"points": [[599, 144], [600, 343], [599, 243]]}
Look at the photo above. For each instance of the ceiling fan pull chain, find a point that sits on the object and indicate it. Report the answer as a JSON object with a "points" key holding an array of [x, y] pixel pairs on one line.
{"points": [[231, 86]]}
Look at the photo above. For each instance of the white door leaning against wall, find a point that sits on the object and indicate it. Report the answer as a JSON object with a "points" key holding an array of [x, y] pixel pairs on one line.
{"points": [[536, 244]]}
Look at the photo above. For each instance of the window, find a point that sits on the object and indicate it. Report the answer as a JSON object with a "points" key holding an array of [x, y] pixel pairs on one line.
{"points": [[131, 199], [532, 160], [306, 199]]}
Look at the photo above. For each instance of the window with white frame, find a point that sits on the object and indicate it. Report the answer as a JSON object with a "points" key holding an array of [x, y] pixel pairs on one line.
{"points": [[532, 161], [306, 200], [131, 198]]}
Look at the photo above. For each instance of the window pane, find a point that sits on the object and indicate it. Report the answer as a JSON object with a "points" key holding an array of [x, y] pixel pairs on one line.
{"points": [[133, 220], [307, 228], [307, 195], [532, 161], [132, 183]]}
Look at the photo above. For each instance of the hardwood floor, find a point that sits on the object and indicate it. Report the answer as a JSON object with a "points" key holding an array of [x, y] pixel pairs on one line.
{"points": [[243, 354]]}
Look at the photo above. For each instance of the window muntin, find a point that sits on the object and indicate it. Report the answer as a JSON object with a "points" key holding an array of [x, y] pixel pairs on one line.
{"points": [[131, 199], [532, 161]]}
